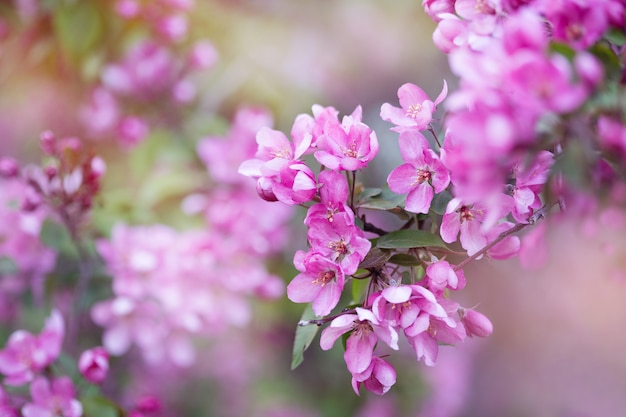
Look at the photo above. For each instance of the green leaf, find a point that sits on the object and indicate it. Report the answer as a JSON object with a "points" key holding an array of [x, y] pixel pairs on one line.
{"points": [[304, 337], [404, 239], [359, 286], [368, 193], [440, 202], [385, 199], [56, 236], [404, 259], [375, 258], [99, 406], [79, 27], [383, 204], [7, 266], [616, 37]]}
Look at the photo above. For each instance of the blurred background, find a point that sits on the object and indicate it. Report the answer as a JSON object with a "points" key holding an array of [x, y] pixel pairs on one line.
{"points": [[557, 349]]}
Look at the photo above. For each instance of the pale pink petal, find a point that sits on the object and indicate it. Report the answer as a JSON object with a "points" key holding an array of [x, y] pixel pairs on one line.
{"points": [[420, 198], [303, 288]]}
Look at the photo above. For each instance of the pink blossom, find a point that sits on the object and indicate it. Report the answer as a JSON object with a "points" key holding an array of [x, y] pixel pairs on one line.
{"points": [[341, 241], [223, 155], [203, 55], [429, 331], [529, 184], [333, 191], [349, 146], [365, 331], [420, 175], [476, 324], [26, 354], [378, 378], [93, 364], [320, 281], [440, 275], [417, 109], [399, 306], [53, 399], [435, 8], [450, 33]]}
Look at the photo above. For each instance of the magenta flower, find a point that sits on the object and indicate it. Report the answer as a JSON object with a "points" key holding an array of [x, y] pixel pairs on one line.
{"points": [[421, 173], [93, 364], [440, 275], [341, 241], [26, 354], [320, 281], [400, 306], [349, 146], [333, 193], [366, 330], [378, 378], [429, 331], [476, 324], [417, 109], [280, 175], [56, 399]]}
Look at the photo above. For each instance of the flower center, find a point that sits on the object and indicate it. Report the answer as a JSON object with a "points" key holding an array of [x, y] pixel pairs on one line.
{"points": [[351, 152], [325, 277], [414, 110], [466, 214]]}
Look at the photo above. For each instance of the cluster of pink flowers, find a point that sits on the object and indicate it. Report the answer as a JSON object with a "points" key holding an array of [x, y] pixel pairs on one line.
{"points": [[168, 19], [528, 71], [19, 242], [170, 286], [27, 359], [149, 72], [338, 246], [518, 90]]}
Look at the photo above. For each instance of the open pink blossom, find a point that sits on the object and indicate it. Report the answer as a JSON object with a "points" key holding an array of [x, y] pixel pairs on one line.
{"points": [[26, 354], [349, 146], [378, 378], [341, 241], [53, 399], [365, 330], [333, 191], [320, 281], [421, 176], [429, 331], [416, 110]]}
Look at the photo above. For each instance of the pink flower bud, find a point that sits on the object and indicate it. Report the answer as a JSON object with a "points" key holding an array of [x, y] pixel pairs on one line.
{"points": [[48, 142], [94, 364], [476, 324], [264, 189], [9, 168], [203, 55]]}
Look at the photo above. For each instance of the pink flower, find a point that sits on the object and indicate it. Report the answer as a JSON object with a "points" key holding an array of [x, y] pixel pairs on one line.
{"points": [[93, 364], [417, 109], [365, 331], [377, 378], [320, 281], [421, 173], [25, 354], [349, 146], [476, 324], [333, 193], [440, 275], [341, 241], [56, 399], [429, 331]]}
